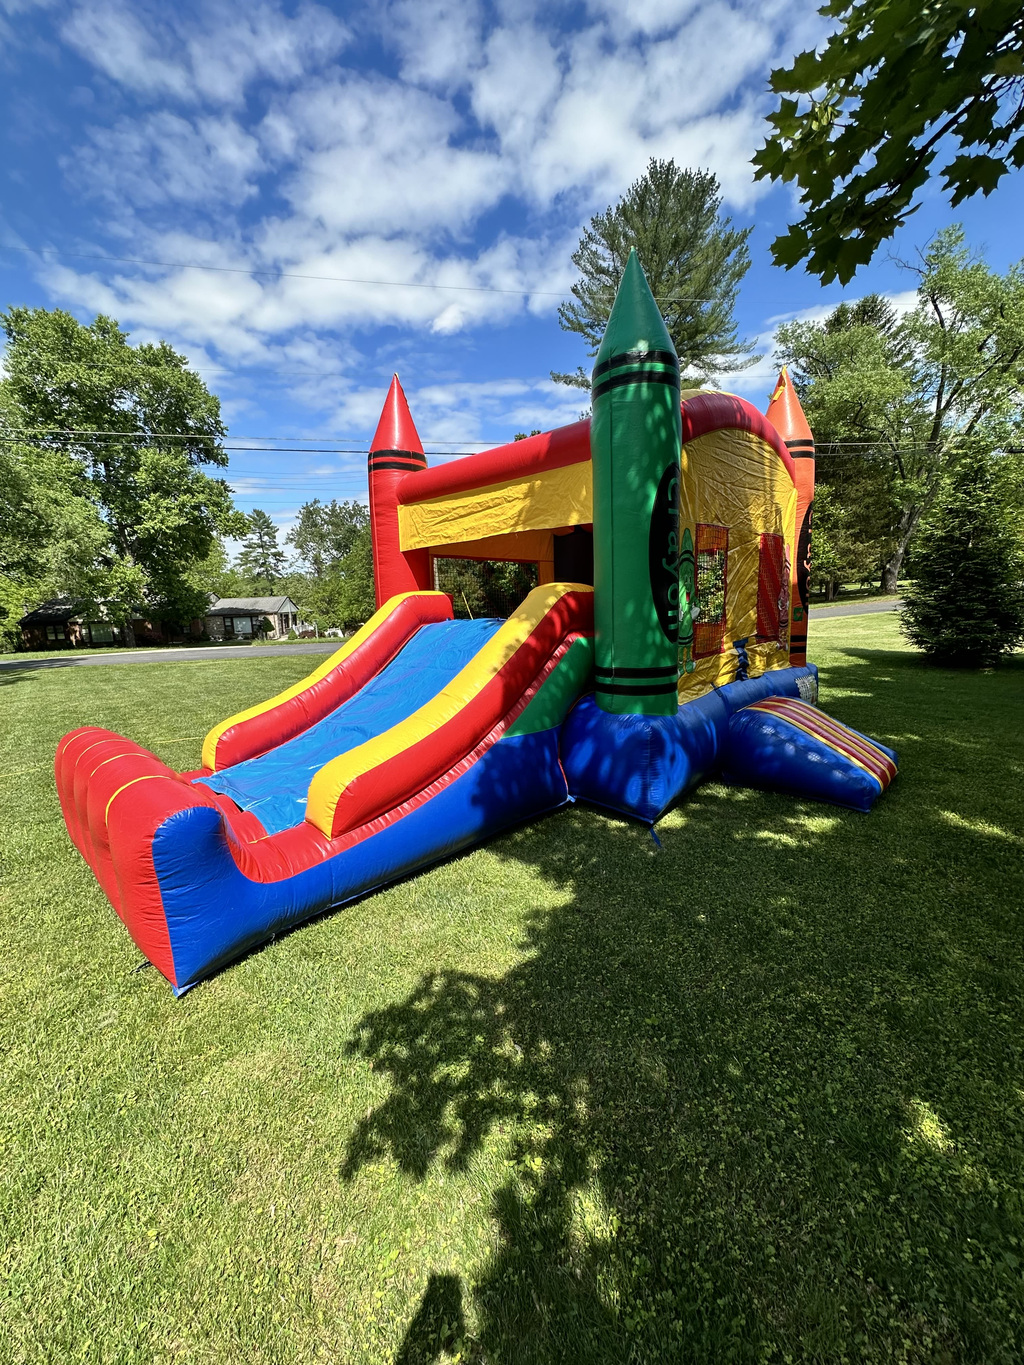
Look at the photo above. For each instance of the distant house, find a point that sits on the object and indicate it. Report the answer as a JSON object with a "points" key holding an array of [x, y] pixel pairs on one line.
{"points": [[59, 625], [65, 624], [240, 618]]}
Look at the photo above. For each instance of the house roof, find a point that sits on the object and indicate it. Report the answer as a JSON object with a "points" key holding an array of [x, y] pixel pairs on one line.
{"points": [[257, 606], [48, 613]]}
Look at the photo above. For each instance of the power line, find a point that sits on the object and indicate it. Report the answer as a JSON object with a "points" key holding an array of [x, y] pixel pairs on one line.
{"points": [[850, 449], [253, 450], [337, 449], [293, 275], [200, 436]]}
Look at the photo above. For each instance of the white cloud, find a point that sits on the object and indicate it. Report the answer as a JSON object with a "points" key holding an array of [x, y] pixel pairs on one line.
{"points": [[643, 16], [387, 181], [439, 40], [475, 166], [370, 155], [155, 51], [501, 99], [164, 158], [462, 414], [241, 316]]}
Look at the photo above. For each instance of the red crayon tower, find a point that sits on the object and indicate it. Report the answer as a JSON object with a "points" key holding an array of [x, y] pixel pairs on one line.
{"points": [[396, 450], [787, 416]]}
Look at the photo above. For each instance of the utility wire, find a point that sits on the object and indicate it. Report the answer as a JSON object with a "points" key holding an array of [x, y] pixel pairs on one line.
{"points": [[255, 450], [851, 449], [14, 433], [193, 436], [292, 275]]}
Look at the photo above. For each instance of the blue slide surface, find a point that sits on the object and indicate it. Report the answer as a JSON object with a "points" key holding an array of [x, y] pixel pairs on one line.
{"points": [[274, 786]]}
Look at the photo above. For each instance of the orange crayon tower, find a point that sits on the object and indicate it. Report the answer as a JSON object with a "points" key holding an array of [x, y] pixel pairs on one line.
{"points": [[787, 417], [395, 451]]}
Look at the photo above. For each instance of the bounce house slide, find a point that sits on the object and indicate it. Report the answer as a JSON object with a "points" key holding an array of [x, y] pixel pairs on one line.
{"points": [[689, 513], [421, 736]]}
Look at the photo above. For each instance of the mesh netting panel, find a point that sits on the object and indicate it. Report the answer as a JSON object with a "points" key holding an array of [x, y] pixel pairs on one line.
{"points": [[484, 587], [712, 585]]}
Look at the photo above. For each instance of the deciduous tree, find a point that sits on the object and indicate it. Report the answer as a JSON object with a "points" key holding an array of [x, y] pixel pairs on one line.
{"points": [[913, 396], [896, 83], [343, 597], [326, 533], [128, 428]]}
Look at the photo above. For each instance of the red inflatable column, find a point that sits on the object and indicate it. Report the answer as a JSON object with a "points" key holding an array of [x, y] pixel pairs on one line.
{"points": [[787, 417], [396, 450]]}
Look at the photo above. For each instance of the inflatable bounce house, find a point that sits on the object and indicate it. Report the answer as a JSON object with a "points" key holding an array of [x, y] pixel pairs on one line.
{"points": [[665, 642]]}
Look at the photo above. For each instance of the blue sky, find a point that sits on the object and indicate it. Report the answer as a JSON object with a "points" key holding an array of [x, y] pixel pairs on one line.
{"points": [[418, 142]]}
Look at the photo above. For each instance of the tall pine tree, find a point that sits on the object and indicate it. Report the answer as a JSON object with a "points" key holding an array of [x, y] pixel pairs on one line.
{"points": [[261, 559], [693, 259]]}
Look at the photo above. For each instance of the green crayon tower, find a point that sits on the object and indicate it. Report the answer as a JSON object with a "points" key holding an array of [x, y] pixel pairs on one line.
{"points": [[635, 439]]}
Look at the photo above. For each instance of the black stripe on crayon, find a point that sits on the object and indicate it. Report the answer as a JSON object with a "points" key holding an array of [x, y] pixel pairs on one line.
{"points": [[633, 358], [637, 672], [399, 455], [408, 467], [622, 690], [638, 376]]}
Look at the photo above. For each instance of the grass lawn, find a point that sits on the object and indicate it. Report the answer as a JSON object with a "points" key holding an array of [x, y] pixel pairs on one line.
{"points": [[758, 1096]]}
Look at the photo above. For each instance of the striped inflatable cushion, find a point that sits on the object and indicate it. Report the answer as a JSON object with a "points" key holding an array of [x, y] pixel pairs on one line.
{"points": [[852, 746]]}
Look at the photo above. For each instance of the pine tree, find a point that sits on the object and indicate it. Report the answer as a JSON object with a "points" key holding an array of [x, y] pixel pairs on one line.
{"points": [[966, 603], [692, 257], [261, 558]]}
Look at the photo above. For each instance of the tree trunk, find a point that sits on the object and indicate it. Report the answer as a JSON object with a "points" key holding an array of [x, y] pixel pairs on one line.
{"points": [[894, 564], [128, 633], [891, 571]]}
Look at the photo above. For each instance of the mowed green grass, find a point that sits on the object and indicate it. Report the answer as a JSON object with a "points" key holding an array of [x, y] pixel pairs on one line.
{"points": [[756, 1096]]}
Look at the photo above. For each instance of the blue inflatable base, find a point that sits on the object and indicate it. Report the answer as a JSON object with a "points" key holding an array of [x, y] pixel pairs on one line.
{"points": [[640, 765], [215, 918]]}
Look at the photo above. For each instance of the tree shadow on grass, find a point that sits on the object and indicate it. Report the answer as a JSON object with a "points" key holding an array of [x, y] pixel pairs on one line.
{"points": [[759, 1091]]}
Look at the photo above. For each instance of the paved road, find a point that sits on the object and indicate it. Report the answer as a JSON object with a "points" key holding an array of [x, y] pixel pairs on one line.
{"points": [[219, 652], [857, 608], [174, 656]]}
